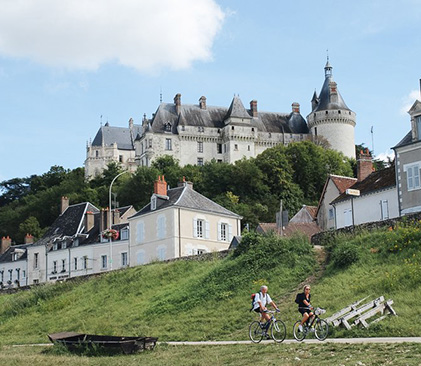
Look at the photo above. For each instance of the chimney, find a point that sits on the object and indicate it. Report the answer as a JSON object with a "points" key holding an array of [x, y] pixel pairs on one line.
{"points": [[185, 183], [160, 186], [364, 165], [202, 102], [104, 219], [116, 217], [6, 242], [64, 204], [29, 239], [333, 92], [131, 123], [253, 108], [177, 103], [295, 107], [89, 221]]}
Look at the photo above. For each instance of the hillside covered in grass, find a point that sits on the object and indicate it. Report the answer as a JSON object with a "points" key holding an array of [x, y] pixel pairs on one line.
{"points": [[210, 299]]}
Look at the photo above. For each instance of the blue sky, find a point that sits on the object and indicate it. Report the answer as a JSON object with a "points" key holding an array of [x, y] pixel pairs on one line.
{"points": [[64, 64]]}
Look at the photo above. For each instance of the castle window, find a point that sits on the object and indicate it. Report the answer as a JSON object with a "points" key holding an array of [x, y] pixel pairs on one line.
{"points": [[168, 144], [232, 128], [200, 161], [120, 158], [219, 148], [236, 147], [252, 129], [315, 131], [168, 127], [248, 147], [183, 128], [150, 142], [327, 112], [201, 129], [200, 146], [96, 153], [339, 112]]}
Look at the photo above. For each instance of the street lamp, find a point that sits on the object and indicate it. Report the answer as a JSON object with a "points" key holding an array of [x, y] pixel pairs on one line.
{"points": [[109, 220]]}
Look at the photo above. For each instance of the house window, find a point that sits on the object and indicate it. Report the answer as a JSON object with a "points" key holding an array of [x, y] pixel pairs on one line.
{"points": [[168, 144], [153, 203], [161, 227], [200, 251], [200, 161], [75, 263], [124, 259], [140, 257], [219, 148], [85, 262], [63, 245], [23, 274], [124, 234], [120, 158], [18, 274], [330, 214], [10, 275], [104, 261], [418, 126], [63, 265], [223, 232], [55, 267], [200, 146], [413, 176], [384, 204], [140, 232], [199, 228], [161, 253], [36, 260]]}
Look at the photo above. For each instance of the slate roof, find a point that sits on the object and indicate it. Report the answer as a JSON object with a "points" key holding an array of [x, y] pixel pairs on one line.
{"points": [[405, 141], [186, 197], [323, 101], [123, 136], [215, 117], [376, 181], [69, 223], [8, 254]]}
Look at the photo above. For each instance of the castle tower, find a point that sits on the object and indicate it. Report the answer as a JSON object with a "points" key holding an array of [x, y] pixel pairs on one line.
{"points": [[331, 118]]}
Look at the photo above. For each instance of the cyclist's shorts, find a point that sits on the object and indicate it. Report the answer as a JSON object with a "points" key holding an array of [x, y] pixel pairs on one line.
{"points": [[303, 311], [257, 310]]}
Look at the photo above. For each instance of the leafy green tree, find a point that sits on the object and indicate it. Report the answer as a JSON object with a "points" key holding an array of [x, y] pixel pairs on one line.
{"points": [[170, 168], [29, 226], [13, 189]]}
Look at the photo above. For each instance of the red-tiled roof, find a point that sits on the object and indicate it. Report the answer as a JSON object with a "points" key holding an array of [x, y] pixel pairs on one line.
{"points": [[342, 183]]}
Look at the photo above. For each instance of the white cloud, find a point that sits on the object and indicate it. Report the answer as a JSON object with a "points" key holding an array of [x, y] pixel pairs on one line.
{"points": [[144, 34], [409, 100], [385, 156]]}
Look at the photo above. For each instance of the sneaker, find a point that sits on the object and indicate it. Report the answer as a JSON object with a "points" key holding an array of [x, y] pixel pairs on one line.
{"points": [[300, 328]]}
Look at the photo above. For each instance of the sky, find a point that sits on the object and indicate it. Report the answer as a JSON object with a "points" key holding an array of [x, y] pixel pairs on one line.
{"points": [[68, 66]]}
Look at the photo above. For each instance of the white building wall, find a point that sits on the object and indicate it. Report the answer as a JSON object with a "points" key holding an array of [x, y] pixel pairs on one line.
{"points": [[368, 208], [13, 271], [36, 273]]}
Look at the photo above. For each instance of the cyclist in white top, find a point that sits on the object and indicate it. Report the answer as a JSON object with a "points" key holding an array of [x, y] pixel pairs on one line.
{"points": [[262, 299]]}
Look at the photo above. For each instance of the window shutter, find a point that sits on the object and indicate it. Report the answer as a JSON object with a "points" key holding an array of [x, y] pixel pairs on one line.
{"points": [[416, 177], [229, 233], [410, 179], [194, 228], [207, 229]]}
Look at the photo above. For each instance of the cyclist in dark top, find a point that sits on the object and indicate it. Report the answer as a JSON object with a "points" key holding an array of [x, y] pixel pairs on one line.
{"points": [[304, 306]]}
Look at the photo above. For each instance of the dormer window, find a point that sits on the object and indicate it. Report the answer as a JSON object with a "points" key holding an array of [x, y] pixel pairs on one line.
{"points": [[55, 246], [418, 127], [124, 234], [168, 127], [64, 245], [153, 203]]}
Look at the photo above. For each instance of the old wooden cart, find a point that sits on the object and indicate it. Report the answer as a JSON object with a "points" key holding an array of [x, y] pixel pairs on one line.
{"points": [[127, 345]]}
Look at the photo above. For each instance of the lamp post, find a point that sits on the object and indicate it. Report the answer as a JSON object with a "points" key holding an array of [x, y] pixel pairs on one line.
{"points": [[110, 220]]}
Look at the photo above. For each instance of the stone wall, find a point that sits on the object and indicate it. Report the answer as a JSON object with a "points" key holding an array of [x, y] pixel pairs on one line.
{"points": [[319, 238]]}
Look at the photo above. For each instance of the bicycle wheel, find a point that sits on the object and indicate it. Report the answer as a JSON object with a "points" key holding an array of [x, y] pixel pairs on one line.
{"points": [[299, 335], [321, 329], [278, 331], [255, 332]]}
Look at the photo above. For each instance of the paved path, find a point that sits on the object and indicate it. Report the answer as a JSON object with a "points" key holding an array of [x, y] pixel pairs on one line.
{"points": [[310, 341], [287, 341]]}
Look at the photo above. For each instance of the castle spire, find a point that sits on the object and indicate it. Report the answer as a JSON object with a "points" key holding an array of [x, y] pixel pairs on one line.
{"points": [[328, 68]]}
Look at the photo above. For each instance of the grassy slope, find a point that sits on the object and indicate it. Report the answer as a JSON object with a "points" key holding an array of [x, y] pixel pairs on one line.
{"points": [[206, 300]]}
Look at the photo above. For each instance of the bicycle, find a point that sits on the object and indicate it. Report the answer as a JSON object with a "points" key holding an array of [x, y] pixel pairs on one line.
{"points": [[276, 327], [317, 325]]}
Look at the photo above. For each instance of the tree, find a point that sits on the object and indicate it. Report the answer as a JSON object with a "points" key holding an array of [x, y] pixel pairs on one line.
{"points": [[29, 226]]}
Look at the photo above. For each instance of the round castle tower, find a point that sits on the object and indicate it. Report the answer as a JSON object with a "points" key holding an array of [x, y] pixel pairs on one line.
{"points": [[331, 118]]}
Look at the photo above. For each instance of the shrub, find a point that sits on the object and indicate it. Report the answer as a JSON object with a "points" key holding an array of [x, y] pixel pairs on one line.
{"points": [[345, 254]]}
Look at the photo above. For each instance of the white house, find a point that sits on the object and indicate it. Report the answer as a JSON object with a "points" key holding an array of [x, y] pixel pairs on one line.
{"points": [[179, 222], [408, 165], [372, 199]]}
